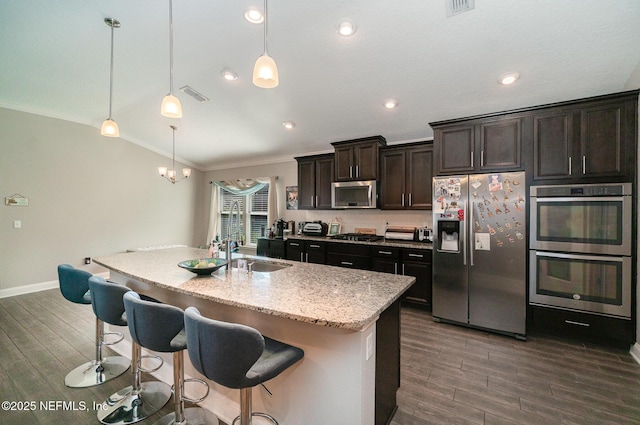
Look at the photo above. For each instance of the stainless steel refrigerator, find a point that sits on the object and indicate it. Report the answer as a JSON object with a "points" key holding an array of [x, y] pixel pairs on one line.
{"points": [[479, 251]]}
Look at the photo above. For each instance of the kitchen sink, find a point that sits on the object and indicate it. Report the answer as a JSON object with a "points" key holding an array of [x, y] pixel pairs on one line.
{"points": [[263, 266]]}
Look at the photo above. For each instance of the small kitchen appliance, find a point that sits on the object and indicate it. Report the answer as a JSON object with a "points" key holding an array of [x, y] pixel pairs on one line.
{"points": [[423, 234], [315, 228], [400, 233]]}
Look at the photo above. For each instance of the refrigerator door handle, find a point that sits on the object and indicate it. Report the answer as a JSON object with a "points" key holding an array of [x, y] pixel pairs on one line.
{"points": [[463, 230], [472, 235]]}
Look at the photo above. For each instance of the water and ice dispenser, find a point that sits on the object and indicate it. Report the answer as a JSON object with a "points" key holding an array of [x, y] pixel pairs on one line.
{"points": [[449, 236]]}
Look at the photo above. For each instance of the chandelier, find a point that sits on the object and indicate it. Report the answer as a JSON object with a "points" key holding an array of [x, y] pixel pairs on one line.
{"points": [[170, 174]]}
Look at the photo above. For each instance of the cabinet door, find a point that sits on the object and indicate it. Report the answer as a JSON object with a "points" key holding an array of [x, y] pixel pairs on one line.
{"points": [[455, 149], [324, 177], [601, 141], [344, 163], [294, 250], [500, 145], [392, 179], [420, 291], [315, 252], [552, 145], [419, 171], [306, 184], [385, 265], [366, 161]]}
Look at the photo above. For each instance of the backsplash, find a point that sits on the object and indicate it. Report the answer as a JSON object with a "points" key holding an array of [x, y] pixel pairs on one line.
{"points": [[350, 219]]}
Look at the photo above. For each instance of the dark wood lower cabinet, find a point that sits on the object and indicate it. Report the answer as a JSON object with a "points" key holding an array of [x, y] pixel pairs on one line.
{"points": [[408, 262], [581, 326], [387, 363], [273, 248], [352, 256]]}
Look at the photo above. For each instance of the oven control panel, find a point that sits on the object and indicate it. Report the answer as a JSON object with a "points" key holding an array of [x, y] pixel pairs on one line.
{"points": [[614, 189]]}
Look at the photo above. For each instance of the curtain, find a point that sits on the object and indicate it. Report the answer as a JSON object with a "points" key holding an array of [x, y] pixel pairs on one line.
{"points": [[242, 187], [213, 214]]}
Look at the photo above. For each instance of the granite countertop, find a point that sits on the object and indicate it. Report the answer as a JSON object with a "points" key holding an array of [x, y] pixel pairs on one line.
{"points": [[381, 242], [313, 293]]}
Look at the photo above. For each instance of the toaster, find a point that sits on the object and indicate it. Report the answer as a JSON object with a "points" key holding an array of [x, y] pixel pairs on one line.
{"points": [[315, 228]]}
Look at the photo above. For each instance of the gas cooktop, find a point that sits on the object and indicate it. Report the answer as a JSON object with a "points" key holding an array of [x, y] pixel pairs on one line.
{"points": [[360, 237]]}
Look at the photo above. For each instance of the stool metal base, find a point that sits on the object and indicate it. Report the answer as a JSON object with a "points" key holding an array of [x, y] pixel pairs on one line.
{"points": [[192, 415], [127, 406], [259, 414], [93, 373]]}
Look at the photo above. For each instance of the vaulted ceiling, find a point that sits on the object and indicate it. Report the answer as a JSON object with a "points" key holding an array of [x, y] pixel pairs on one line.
{"points": [[54, 60]]}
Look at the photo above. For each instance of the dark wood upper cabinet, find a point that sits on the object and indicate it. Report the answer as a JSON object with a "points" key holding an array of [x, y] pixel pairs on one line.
{"points": [[593, 138], [589, 139], [357, 159], [315, 174], [405, 176], [602, 148], [552, 144], [479, 145]]}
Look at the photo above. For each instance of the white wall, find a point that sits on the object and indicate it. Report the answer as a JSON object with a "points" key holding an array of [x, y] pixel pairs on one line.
{"points": [[89, 196]]}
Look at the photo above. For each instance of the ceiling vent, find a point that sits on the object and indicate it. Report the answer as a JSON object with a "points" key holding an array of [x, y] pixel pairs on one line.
{"points": [[194, 94], [455, 7]]}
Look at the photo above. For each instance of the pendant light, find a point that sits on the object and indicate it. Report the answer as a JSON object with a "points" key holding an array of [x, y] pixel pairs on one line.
{"points": [[171, 106], [265, 71], [110, 127], [170, 174]]}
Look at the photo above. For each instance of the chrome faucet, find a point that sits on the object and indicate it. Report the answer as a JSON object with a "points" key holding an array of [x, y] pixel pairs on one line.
{"points": [[228, 242]]}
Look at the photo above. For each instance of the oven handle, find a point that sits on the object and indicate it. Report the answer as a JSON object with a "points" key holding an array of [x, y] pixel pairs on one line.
{"points": [[619, 259], [580, 199]]}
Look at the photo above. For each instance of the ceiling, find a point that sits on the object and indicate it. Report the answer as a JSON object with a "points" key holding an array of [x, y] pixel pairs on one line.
{"points": [[54, 61]]}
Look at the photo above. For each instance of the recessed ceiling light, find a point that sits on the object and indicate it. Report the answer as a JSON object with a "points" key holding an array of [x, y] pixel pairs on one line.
{"points": [[288, 125], [390, 103], [508, 77], [254, 16], [346, 28], [229, 75]]}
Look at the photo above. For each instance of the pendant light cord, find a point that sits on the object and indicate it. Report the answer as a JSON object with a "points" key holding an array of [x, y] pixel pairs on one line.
{"points": [[266, 52], [111, 70], [170, 47], [173, 156]]}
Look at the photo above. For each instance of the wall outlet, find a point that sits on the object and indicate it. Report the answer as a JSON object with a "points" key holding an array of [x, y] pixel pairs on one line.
{"points": [[17, 224], [369, 346], [87, 260]]}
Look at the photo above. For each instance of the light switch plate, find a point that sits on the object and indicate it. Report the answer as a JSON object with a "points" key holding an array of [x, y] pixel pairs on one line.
{"points": [[17, 224]]}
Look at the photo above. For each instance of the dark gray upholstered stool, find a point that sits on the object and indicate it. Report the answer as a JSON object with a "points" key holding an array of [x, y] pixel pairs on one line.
{"points": [[236, 356], [160, 327], [74, 285], [138, 401]]}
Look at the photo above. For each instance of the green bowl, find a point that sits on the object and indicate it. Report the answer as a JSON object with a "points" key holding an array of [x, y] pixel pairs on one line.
{"points": [[203, 266]]}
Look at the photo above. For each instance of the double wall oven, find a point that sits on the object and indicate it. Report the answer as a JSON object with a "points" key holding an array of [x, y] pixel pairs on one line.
{"points": [[580, 257]]}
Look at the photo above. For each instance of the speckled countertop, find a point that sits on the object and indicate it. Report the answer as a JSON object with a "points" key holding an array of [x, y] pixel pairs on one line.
{"points": [[314, 293]]}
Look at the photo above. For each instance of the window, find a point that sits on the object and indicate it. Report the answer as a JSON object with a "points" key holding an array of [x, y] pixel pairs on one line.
{"points": [[253, 214]]}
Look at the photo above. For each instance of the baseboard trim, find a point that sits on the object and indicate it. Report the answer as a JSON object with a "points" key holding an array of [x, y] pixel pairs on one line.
{"points": [[635, 352], [36, 287]]}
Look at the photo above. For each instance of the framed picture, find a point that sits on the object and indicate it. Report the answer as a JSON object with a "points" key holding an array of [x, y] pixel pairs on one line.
{"points": [[334, 229], [292, 197]]}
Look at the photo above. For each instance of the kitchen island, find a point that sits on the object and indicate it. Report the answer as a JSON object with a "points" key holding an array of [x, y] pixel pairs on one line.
{"points": [[347, 322]]}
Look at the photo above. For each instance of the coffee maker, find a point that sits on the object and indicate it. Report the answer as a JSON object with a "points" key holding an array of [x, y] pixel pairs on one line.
{"points": [[280, 226]]}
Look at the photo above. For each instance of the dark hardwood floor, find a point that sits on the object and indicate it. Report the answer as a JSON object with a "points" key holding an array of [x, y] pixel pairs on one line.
{"points": [[454, 375], [450, 374]]}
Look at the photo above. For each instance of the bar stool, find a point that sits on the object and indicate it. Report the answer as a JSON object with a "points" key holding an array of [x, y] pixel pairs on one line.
{"points": [[236, 356], [160, 327], [74, 285], [139, 400]]}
